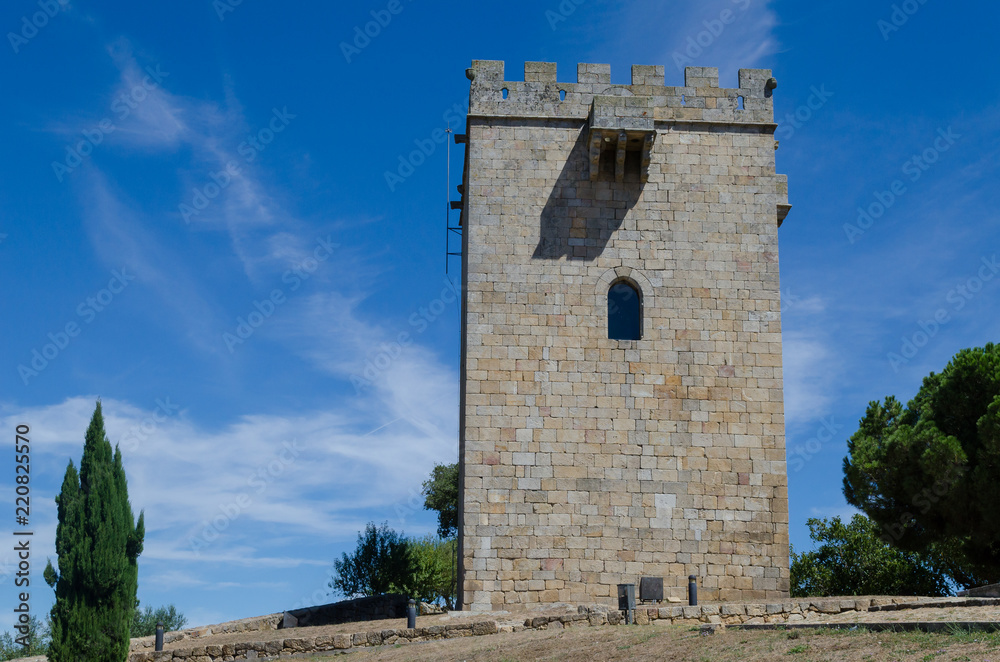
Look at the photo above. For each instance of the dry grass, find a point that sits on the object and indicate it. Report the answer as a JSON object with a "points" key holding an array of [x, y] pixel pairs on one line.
{"points": [[658, 642]]}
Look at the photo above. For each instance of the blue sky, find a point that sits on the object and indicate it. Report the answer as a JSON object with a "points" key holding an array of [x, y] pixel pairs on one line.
{"points": [[194, 203]]}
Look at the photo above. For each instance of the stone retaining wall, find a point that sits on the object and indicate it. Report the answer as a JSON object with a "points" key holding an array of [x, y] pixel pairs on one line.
{"points": [[587, 615], [988, 591], [253, 650], [772, 612], [255, 624], [373, 608]]}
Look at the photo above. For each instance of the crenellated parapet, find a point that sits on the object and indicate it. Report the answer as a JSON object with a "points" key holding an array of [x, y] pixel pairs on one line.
{"points": [[646, 100]]}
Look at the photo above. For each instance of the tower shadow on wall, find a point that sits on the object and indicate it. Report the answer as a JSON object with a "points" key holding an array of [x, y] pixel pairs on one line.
{"points": [[581, 215]]}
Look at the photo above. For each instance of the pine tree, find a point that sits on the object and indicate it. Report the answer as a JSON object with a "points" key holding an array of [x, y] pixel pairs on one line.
{"points": [[926, 473], [98, 543]]}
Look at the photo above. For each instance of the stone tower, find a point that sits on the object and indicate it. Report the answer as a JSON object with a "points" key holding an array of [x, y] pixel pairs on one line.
{"points": [[590, 457]]}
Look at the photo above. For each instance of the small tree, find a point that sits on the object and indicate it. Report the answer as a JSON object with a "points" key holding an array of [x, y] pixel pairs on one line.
{"points": [[434, 578], [37, 640], [144, 623], [381, 563], [441, 494], [853, 560], [98, 543]]}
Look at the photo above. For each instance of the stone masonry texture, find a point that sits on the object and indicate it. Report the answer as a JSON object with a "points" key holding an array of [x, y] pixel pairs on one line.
{"points": [[587, 462]]}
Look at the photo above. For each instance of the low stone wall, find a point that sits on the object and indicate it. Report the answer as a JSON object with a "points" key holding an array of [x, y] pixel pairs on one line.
{"points": [[254, 650], [988, 591], [348, 611], [255, 624], [771, 612], [586, 615]]}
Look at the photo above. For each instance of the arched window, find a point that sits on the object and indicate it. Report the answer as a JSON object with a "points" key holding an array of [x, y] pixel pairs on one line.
{"points": [[624, 312]]}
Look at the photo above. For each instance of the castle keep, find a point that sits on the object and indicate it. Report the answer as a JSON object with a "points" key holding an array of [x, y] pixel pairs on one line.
{"points": [[621, 399]]}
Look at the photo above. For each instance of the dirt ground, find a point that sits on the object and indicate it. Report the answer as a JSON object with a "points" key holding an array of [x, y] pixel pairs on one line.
{"points": [[675, 642]]}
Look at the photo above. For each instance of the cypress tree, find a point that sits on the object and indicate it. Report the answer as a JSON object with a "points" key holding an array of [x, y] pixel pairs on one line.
{"points": [[98, 543]]}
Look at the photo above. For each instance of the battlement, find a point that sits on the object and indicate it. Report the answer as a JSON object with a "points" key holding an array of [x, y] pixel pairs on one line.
{"points": [[700, 99]]}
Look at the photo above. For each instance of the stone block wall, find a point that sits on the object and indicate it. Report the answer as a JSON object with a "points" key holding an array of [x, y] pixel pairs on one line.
{"points": [[585, 461], [348, 611]]}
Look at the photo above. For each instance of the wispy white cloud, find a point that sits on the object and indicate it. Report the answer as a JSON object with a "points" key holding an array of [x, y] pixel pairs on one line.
{"points": [[263, 485], [207, 143], [201, 146], [328, 331], [121, 235], [397, 380], [157, 120], [728, 34], [794, 304], [810, 370]]}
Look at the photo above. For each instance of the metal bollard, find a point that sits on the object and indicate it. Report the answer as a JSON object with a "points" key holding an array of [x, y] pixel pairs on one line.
{"points": [[693, 590], [626, 602], [159, 637], [411, 614]]}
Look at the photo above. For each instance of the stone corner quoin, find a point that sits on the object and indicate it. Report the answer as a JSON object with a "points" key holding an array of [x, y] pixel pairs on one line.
{"points": [[588, 461]]}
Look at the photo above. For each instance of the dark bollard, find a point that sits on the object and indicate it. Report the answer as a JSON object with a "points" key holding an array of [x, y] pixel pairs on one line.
{"points": [[693, 590], [411, 614], [159, 637], [626, 602]]}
